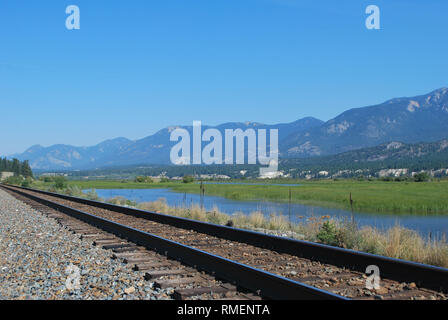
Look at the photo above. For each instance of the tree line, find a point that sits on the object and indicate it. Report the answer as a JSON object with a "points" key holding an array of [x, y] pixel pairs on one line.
{"points": [[19, 168]]}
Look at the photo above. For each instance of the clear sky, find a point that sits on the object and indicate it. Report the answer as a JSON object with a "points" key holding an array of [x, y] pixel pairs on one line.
{"points": [[137, 66]]}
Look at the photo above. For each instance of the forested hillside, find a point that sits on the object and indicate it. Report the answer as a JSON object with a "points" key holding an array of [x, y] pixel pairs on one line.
{"points": [[394, 156], [16, 166]]}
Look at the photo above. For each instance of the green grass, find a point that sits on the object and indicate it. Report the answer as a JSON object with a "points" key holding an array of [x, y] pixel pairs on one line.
{"points": [[369, 196]]}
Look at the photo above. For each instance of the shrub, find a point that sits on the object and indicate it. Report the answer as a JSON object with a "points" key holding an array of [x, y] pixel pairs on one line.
{"points": [[47, 179], [26, 183], [16, 180], [328, 234], [421, 177], [348, 235], [187, 179], [122, 201], [143, 179], [74, 191], [92, 195], [60, 182]]}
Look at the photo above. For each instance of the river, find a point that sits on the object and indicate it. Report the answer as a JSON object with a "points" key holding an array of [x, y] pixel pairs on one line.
{"points": [[434, 226]]}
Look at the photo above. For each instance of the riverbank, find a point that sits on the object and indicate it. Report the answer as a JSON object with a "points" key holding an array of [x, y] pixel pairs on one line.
{"points": [[396, 242], [428, 198]]}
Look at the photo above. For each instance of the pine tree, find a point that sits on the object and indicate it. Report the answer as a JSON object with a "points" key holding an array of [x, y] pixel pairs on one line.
{"points": [[2, 164], [26, 169], [16, 167]]}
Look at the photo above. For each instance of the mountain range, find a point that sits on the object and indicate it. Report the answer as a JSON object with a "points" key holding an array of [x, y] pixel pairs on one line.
{"points": [[392, 157], [407, 120], [388, 159]]}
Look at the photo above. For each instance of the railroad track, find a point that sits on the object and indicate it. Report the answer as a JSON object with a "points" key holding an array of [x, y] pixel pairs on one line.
{"points": [[202, 260]]}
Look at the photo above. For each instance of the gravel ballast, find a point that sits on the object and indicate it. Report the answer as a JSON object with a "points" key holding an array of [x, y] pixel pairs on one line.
{"points": [[37, 256]]}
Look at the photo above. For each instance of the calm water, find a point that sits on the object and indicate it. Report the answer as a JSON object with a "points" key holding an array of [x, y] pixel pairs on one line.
{"points": [[436, 225]]}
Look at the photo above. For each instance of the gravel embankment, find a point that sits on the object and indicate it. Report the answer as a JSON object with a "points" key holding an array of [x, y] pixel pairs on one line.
{"points": [[35, 252]]}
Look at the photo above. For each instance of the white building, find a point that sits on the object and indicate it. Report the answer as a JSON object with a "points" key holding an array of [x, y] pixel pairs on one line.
{"points": [[5, 175]]}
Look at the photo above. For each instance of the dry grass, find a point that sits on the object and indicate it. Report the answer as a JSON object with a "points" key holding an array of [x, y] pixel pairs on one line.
{"points": [[257, 219], [402, 243], [193, 212], [121, 201], [397, 242], [278, 222]]}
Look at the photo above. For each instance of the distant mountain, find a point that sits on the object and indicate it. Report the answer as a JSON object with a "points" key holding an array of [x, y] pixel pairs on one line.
{"points": [[154, 149], [67, 157], [409, 120], [389, 159]]}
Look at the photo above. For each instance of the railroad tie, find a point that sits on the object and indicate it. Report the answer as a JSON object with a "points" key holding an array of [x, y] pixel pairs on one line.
{"points": [[172, 283], [127, 246], [149, 266], [90, 235], [182, 294], [126, 249], [107, 241], [155, 274]]}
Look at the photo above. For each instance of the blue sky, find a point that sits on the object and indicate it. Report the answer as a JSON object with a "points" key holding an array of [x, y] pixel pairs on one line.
{"points": [[136, 66]]}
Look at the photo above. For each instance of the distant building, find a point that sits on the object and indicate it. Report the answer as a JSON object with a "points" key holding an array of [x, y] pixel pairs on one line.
{"points": [[213, 176], [393, 172], [272, 175], [6, 175], [54, 174]]}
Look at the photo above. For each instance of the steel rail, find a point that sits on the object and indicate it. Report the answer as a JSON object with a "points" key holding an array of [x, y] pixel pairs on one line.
{"points": [[427, 276], [266, 284]]}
